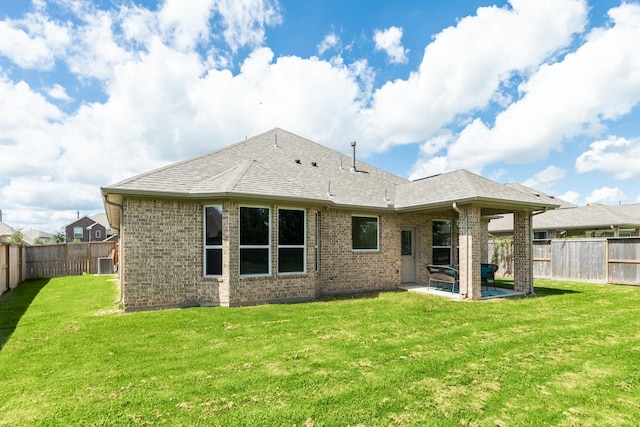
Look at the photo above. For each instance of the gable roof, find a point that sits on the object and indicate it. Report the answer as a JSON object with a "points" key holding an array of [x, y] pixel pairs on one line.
{"points": [[279, 165], [462, 186], [593, 216], [6, 230]]}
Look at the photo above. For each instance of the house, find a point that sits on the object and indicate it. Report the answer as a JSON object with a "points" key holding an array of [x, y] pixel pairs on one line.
{"points": [[89, 229], [278, 218], [5, 232], [33, 237], [592, 220]]}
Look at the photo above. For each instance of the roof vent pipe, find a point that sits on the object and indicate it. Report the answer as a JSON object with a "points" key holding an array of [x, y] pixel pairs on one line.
{"points": [[353, 157]]}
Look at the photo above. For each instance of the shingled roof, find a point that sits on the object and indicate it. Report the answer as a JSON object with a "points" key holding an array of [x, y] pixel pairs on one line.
{"points": [[279, 165], [594, 216]]}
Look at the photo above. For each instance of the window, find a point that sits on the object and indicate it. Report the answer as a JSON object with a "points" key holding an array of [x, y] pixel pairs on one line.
{"points": [[78, 232], [255, 253], [213, 240], [441, 242], [291, 241], [539, 234], [98, 235], [364, 233]]}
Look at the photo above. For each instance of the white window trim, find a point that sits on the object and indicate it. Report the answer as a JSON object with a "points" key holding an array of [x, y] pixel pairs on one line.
{"points": [[98, 234], [450, 247], [268, 246], [77, 235], [303, 246], [204, 240], [377, 249]]}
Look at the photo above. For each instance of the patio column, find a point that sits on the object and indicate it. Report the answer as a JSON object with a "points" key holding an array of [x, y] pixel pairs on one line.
{"points": [[522, 252], [470, 245]]}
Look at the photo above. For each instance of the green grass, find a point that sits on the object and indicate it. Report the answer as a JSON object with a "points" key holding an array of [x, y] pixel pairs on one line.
{"points": [[569, 356]]}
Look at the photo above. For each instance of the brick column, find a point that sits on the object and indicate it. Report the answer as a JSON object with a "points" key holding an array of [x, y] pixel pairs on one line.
{"points": [[470, 243], [522, 252]]}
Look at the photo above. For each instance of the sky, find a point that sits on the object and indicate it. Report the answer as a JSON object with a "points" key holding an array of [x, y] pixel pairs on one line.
{"points": [[545, 93]]}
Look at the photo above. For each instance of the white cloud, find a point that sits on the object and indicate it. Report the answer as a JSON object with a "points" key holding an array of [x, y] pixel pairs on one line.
{"points": [[390, 41], [184, 26], [596, 82], [58, 92], [244, 21], [547, 179], [606, 195], [329, 41], [570, 196], [459, 74], [617, 156], [33, 42]]}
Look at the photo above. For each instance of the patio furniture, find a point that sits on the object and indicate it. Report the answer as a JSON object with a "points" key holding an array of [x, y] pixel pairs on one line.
{"points": [[443, 274], [488, 274]]}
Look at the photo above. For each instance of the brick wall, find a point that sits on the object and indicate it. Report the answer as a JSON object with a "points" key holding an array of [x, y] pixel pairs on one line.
{"points": [[162, 256]]}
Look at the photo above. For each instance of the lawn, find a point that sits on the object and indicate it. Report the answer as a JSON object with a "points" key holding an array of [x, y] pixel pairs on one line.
{"points": [[569, 356]]}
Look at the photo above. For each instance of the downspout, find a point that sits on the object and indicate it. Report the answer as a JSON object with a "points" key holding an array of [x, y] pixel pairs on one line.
{"points": [[466, 234], [121, 214]]}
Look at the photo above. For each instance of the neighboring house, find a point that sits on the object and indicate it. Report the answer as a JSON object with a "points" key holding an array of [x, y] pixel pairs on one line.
{"points": [[593, 220], [89, 229], [32, 237], [5, 232], [279, 218]]}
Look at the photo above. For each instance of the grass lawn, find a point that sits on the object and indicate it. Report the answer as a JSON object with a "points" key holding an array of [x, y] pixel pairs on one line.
{"points": [[570, 356]]}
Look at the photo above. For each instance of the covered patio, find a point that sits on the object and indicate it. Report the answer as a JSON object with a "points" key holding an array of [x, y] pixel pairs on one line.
{"points": [[474, 201]]}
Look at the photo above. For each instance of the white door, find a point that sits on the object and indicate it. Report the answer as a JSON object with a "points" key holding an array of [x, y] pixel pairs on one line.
{"points": [[408, 246]]}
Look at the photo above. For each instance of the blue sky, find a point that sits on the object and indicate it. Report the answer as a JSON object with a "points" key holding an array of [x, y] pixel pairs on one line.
{"points": [[545, 93]]}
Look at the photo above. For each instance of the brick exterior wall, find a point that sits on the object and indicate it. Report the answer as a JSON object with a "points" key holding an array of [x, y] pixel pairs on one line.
{"points": [[522, 256], [471, 238], [162, 255]]}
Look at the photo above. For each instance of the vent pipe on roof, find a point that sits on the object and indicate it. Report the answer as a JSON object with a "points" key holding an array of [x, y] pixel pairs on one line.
{"points": [[275, 143], [353, 157], [0, 215]]}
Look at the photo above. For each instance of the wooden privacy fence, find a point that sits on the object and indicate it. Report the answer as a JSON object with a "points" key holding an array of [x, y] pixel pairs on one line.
{"points": [[67, 259], [599, 260], [12, 266]]}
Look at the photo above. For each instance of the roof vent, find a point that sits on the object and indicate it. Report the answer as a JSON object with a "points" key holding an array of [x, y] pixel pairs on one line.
{"points": [[314, 164], [298, 161]]}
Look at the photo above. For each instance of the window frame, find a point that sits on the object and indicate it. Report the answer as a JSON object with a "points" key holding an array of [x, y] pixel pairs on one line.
{"points": [[303, 246], [266, 246], [204, 240], [450, 247], [377, 248], [77, 235], [98, 234]]}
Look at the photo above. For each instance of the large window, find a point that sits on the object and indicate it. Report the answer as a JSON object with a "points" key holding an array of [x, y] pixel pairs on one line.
{"points": [[213, 240], [78, 232], [441, 242], [254, 241], [291, 241], [364, 233]]}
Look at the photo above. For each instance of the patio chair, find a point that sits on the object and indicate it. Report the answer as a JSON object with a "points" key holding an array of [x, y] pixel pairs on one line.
{"points": [[488, 274], [443, 274]]}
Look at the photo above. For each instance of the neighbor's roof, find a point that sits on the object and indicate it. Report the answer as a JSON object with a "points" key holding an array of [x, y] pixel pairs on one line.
{"points": [[594, 216], [279, 165], [5, 230], [462, 186]]}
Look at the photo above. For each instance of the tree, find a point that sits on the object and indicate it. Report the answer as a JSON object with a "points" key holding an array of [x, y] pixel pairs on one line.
{"points": [[59, 236], [17, 238]]}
